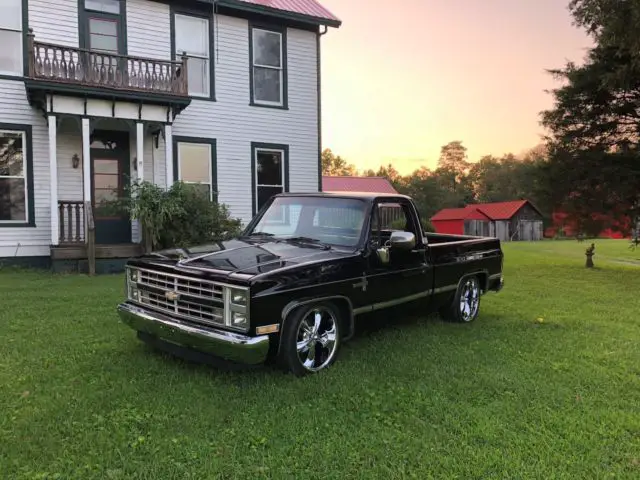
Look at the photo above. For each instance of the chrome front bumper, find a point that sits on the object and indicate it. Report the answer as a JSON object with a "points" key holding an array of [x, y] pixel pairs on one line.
{"points": [[227, 345]]}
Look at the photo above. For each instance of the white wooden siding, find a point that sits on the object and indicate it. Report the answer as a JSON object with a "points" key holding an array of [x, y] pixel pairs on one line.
{"points": [[230, 120], [235, 124], [148, 29], [55, 22], [14, 108]]}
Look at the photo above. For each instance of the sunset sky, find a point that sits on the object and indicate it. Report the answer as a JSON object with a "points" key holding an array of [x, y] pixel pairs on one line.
{"points": [[402, 78]]}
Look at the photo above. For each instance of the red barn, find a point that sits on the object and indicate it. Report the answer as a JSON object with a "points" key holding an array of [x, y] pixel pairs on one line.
{"points": [[517, 220]]}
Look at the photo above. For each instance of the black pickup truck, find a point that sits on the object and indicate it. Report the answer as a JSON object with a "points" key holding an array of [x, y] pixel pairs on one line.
{"points": [[290, 287]]}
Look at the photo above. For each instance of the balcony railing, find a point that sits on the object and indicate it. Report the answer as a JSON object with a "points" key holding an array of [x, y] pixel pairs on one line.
{"points": [[71, 65]]}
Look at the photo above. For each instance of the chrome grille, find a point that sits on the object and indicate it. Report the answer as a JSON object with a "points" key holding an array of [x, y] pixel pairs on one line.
{"points": [[183, 308], [195, 300], [181, 285]]}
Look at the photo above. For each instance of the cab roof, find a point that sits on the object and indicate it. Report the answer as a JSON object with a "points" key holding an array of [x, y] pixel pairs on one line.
{"points": [[368, 196]]}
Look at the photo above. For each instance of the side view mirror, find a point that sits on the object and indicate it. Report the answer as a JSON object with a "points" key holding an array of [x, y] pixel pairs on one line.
{"points": [[398, 241], [402, 240]]}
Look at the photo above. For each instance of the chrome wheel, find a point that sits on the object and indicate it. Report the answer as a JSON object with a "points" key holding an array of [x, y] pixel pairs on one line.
{"points": [[316, 339], [469, 299]]}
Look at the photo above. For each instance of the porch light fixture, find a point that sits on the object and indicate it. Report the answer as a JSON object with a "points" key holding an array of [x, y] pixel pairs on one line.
{"points": [[75, 160], [135, 163]]}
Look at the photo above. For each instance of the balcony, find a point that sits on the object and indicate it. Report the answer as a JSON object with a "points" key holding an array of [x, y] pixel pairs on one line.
{"points": [[77, 71]]}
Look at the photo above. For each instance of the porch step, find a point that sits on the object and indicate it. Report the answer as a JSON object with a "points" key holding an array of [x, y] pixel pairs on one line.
{"points": [[79, 251], [103, 266]]}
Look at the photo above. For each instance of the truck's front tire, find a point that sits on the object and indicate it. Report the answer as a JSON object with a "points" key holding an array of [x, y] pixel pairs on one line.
{"points": [[465, 305], [311, 338]]}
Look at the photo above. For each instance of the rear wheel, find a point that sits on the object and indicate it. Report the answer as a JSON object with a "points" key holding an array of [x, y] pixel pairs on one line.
{"points": [[465, 305], [311, 338]]}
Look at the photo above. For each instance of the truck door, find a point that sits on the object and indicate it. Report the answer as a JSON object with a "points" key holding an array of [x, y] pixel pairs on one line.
{"points": [[407, 276]]}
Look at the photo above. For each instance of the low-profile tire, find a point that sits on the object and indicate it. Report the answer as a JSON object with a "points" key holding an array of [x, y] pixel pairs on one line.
{"points": [[311, 338], [465, 305]]}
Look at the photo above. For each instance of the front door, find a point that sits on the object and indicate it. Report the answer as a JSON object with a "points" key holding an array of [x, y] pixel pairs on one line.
{"points": [[109, 175], [408, 276]]}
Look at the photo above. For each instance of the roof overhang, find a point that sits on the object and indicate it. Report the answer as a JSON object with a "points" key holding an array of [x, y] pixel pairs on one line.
{"points": [[38, 90], [253, 8]]}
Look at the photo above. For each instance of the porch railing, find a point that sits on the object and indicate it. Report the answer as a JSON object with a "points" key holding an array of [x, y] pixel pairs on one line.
{"points": [[72, 220], [100, 69], [77, 227]]}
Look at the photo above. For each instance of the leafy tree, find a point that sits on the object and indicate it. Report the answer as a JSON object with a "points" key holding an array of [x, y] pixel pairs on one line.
{"points": [[336, 165], [453, 163], [595, 122]]}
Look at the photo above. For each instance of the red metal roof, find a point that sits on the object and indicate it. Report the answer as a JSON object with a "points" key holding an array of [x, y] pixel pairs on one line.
{"points": [[467, 213], [357, 184], [490, 211], [501, 210], [311, 8]]}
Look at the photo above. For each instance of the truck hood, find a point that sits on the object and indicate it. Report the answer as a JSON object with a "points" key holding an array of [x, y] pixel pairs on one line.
{"points": [[240, 259]]}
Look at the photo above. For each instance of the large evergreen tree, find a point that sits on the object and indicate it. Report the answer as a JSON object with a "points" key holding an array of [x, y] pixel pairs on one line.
{"points": [[594, 126]]}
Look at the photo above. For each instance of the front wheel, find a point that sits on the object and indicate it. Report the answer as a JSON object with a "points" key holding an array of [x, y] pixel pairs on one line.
{"points": [[311, 338], [466, 302]]}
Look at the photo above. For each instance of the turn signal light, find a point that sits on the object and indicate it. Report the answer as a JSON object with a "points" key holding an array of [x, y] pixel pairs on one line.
{"points": [[267, 329]]}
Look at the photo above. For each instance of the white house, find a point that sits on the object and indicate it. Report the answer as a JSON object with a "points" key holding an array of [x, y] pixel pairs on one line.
{"points": [[94, 93]]}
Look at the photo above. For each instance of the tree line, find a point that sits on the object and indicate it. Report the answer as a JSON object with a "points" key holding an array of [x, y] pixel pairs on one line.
{"points": [[457, 182]]}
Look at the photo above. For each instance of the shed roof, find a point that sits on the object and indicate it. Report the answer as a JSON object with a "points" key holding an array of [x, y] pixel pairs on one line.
{"points": [[357, 184], [307, 8], [492, 211], [467, 213]]}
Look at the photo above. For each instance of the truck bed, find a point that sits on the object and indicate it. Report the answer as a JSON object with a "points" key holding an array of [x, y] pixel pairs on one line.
{"points": [[454, 256]]}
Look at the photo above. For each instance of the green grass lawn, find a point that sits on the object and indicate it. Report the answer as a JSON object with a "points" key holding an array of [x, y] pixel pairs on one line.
{"points": [[505, 397]]}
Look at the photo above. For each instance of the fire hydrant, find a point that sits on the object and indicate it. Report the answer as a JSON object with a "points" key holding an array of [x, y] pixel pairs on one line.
{"points": [[590, 253]]}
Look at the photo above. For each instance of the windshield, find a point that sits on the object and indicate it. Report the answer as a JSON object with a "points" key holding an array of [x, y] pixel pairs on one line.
{"points": [[333, 221]]}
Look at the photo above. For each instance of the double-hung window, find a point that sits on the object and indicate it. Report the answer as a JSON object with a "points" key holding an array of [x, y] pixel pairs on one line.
{"points": [[268, 67], [195, 165], [270, 173], [14, 196], [192, 35], [11, 37], [104, 26]]}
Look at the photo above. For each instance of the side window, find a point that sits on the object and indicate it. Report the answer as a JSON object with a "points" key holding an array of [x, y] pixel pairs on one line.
{"points": [[389, 217]]}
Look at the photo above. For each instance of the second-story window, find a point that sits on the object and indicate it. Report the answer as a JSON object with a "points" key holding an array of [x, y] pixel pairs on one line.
{"points": [[11, 37], [104, 26], [192, 37], [268, 67]]}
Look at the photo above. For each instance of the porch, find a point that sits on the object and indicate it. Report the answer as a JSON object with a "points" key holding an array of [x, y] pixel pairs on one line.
{"points": [[93, 161]]}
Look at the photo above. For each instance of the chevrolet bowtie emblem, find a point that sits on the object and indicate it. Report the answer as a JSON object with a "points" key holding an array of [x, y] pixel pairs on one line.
{"points": [[172, 296]]}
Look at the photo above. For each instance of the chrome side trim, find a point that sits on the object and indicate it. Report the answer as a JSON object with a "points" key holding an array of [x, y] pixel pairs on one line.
{"points": [[361, 310], [495, 276], [227, 345], [392, 303], [446, 288]]}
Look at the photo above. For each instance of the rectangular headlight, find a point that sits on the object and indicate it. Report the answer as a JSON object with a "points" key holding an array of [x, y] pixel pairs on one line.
{"points": [[236, 308], [239, 320], [133, 274], [238, 297]]}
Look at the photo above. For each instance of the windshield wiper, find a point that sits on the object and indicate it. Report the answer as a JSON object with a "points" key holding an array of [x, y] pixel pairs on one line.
{"points": [[260, 234], [313, 241]]}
